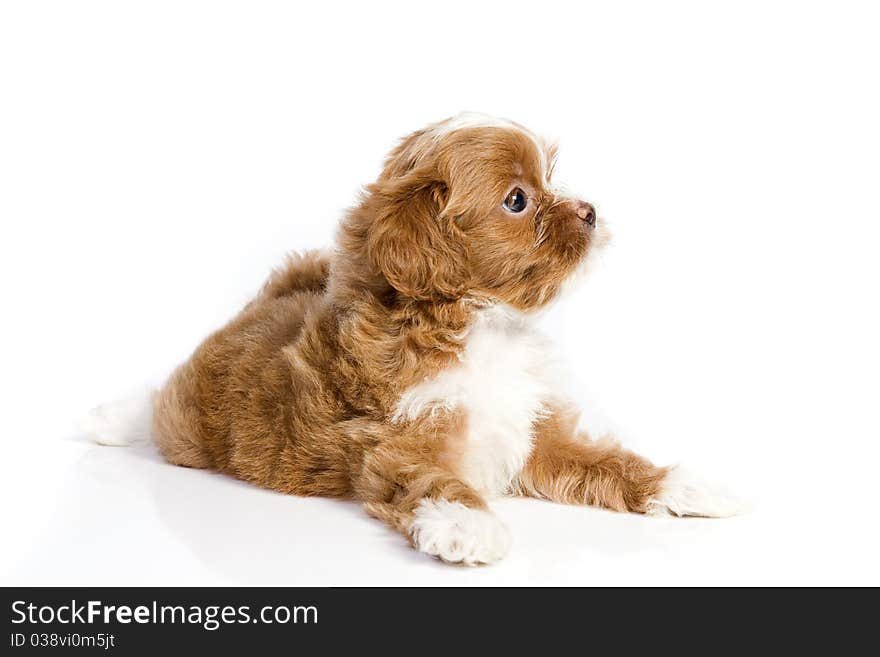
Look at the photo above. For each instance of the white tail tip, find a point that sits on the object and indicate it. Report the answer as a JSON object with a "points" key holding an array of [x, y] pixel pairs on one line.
{"points": [[124, 422]]}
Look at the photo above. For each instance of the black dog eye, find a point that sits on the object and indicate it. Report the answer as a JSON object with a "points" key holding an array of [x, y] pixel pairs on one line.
{"points": [[516, 201]]}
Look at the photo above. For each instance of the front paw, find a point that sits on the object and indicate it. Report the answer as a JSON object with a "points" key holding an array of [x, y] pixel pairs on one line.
{"points": [[684, 494], [458, 534]]}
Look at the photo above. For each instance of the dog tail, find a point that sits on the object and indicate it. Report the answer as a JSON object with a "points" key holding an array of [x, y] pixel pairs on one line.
{"points": [[127, 421], [308, 271]]}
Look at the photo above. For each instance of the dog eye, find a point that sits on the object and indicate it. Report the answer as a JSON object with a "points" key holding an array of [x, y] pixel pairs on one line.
{"points": [[516, 201]]}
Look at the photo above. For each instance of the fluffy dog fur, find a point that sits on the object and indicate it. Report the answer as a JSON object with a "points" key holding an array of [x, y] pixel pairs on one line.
{"points": [[403, 370]]}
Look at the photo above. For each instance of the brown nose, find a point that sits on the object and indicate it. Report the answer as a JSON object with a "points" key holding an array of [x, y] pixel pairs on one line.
{"points": [[586, 212]]}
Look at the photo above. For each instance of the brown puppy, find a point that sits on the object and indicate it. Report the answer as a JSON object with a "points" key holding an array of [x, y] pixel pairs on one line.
{"points": [[403, 370]]}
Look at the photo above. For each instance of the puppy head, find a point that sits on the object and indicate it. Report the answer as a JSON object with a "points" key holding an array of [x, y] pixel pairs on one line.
{"points": [[466, 207]]}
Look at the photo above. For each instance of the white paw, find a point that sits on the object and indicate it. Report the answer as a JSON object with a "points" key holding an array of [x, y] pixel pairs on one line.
{"points": [[458, 534], [123, 422], [684, 494]]}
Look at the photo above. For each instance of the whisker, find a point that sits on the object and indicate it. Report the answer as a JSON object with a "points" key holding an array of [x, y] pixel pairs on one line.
{"points": [[542, 234]]}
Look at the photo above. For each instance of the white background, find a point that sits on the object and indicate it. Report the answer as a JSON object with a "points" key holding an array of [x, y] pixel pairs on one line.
{"points": [[156, 159]]}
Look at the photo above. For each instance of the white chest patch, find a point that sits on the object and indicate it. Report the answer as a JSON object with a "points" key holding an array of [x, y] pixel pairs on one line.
{"points": [[502, 383]]}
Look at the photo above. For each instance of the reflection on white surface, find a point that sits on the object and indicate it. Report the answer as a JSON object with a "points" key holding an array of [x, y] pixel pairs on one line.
{"points": [[123, 516]]}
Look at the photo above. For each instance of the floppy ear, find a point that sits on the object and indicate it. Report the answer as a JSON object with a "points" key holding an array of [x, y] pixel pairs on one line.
{"points": [[419, 251], [406, 155]]}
